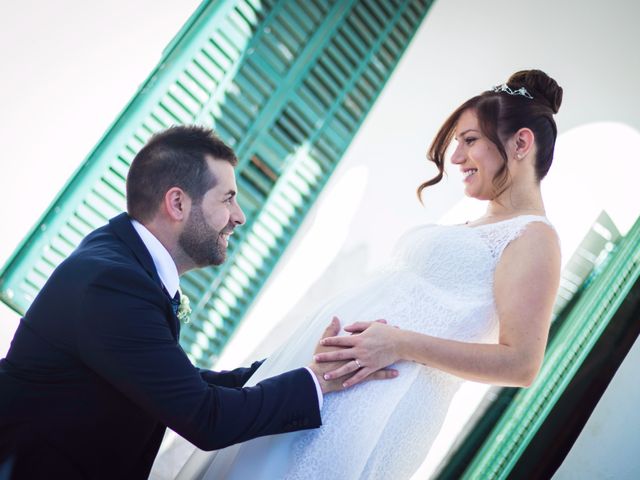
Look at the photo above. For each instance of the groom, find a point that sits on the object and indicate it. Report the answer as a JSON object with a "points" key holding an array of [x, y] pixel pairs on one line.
{"points": [[95, 373]]}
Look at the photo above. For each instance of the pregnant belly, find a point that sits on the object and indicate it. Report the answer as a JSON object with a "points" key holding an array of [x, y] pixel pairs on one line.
{"points": [[408, 301]]}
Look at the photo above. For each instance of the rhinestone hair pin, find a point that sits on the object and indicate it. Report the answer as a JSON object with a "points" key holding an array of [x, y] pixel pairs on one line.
{"points": [[506, 89]]}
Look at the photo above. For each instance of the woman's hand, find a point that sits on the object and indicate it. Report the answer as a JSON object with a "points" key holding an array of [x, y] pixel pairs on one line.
{"points": [[338, 382], [371, 346]]}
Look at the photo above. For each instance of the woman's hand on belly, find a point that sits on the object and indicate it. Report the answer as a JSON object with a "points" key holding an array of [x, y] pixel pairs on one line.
{"points": [[370, 349], [331, 383]]}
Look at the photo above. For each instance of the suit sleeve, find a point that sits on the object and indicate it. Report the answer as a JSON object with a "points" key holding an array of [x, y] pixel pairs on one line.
{"points": [[123, 336], [233, 378]]}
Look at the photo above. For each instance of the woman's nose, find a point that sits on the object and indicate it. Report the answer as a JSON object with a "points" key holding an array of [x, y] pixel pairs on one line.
{"points": [[458, 156]]}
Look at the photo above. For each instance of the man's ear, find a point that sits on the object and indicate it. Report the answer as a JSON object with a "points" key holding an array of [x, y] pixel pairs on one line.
{"points": [[524, 142], [177, 204]]}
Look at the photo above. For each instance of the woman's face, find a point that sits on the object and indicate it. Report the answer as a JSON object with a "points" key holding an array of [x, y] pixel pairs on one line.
{"points": [[477, 157]]}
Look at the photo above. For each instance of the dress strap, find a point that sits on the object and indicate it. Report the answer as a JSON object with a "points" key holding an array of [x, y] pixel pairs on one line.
{"points": [[500, 234]]}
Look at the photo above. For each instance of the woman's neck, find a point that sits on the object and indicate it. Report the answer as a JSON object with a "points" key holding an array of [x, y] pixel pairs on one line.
{"points": [[517, 201]]}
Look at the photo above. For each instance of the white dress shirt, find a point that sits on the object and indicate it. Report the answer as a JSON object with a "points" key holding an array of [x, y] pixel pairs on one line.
{"points": [[168, 273], [162, 260]]}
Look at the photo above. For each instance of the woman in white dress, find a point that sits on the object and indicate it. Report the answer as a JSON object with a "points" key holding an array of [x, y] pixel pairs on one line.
{"points": [[468, 301]]}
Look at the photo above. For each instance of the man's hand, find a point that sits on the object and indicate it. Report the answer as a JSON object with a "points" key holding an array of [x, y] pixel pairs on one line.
{"points": [[339, 382]]}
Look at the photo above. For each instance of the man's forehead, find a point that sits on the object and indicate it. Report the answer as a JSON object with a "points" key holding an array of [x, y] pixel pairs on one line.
{"points": [[223, 167], [224, 173]]}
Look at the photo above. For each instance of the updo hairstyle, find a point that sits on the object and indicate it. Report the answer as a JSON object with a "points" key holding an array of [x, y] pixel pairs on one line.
{"points": [[500, 115]]}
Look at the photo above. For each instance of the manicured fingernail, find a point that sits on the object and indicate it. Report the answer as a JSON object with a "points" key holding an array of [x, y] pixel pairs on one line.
{"points": [[345, 385], [327, 376]]}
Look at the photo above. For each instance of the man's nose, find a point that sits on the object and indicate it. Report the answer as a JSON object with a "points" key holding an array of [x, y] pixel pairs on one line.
{"points": [[237, 217]]}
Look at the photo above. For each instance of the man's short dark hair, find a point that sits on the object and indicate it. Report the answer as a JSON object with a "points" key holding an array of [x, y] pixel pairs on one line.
{"points": [[176, 157]]}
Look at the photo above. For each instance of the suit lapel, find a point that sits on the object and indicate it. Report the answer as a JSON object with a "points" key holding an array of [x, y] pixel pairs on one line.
{"points": [[122, 227]]}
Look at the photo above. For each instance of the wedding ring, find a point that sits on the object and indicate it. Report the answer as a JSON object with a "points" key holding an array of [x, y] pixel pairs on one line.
{"points": [[357, 362]]}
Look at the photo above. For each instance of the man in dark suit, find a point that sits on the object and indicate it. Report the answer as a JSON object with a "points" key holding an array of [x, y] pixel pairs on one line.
{"points": [[95, 373]]}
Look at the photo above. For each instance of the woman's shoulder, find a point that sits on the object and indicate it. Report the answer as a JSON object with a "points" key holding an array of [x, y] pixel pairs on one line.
{"points": [[527, 232], [516, 226], [536, 238], [536, 228], [533, 258]]}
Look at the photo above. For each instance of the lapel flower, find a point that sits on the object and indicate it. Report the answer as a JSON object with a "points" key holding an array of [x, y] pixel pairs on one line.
{"points": [[184, 309]]}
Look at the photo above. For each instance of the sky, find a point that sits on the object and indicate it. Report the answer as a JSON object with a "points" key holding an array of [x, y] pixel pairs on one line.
{"points": [[70, 66]]}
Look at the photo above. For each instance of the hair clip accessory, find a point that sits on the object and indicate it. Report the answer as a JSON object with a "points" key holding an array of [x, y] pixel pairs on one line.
{"points": [[506, 89]]}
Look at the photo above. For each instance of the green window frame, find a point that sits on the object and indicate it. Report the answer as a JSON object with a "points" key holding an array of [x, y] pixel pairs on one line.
{"points": [[287, 83]]}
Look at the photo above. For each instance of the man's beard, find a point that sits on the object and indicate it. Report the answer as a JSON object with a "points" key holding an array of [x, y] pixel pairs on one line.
{"points": [[201, 242]]}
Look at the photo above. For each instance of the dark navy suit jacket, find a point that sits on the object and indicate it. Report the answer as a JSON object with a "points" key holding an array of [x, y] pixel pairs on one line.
{"points": [[95, 374]]}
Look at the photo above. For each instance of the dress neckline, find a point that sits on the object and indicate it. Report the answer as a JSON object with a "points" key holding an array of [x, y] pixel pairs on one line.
{"points": [[502, 221]]}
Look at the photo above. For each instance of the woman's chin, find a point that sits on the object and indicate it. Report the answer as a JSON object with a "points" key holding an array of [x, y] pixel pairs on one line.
{"points": [[473, 193], [470, 193]]}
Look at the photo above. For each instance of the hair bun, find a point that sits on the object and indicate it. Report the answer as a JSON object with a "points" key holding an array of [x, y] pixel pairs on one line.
{"points": [[540, 85]]}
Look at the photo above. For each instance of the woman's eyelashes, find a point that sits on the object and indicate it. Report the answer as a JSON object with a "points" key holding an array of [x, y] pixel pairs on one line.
{"points": [[469, 140]]}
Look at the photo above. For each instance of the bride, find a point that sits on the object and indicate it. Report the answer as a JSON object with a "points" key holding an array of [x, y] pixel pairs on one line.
{"points": [[468, 301]]}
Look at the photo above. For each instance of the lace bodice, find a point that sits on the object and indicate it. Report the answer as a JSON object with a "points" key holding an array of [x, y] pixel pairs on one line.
{"points": [[438, 282], [452, 252]]}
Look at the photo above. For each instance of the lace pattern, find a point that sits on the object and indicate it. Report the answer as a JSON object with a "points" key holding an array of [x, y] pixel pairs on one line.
{"points": [[497, 237]]}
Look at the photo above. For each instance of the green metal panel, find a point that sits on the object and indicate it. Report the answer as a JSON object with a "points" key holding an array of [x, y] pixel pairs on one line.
{"points": [[287, 84], [578, 329], [596, 245]]}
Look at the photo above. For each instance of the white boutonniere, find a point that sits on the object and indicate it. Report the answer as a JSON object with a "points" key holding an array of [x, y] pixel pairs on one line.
{"points": [[184, 309]]}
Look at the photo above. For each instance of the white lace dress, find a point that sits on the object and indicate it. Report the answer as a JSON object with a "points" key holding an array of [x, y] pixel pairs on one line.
{"points": [[439, 282]]}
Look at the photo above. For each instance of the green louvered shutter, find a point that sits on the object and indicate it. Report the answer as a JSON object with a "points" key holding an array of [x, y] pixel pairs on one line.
{"points": [[287, 84], [596, 246], [501, 438]]}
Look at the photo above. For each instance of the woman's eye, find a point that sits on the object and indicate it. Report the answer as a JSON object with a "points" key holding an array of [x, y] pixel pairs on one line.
{"points": [[469, 140]]}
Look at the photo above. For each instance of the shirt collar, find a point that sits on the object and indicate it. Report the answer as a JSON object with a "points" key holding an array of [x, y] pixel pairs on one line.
{"points": [[165, 266]]}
